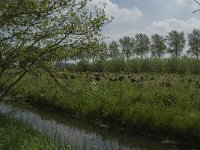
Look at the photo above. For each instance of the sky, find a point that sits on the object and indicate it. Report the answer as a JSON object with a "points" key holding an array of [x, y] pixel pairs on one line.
{"points": [[149, 17]]}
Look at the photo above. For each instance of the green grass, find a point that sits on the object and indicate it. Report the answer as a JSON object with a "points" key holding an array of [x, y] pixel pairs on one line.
{"points": [[15, 135], [165, 104]]}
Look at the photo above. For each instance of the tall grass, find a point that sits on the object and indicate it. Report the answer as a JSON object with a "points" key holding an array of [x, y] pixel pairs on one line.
{"points": [[154, 65], [147, 105]]}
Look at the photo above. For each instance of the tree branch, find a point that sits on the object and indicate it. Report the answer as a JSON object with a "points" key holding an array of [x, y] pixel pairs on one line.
{"points": [[198, 4], [12, 84]]}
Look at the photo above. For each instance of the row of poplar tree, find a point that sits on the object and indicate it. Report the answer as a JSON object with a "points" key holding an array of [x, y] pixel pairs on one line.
{"points": [[141, 45]]}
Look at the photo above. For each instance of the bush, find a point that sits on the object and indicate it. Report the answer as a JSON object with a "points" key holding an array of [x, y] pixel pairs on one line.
{"points": [[84, 66], [153, 65]]}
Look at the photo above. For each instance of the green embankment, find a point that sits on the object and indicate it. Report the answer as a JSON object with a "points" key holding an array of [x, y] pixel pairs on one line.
{"points": [[167, 104], [15, 135]]}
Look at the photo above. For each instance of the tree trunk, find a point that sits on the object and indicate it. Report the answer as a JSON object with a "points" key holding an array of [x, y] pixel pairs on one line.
{"points": [[142, 55], [159, 55], [197, 51], [93, 59]]}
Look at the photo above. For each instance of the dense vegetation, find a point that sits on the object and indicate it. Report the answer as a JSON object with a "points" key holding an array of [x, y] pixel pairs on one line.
{"points": [[35, 33], [183, 65], [18, 136], [166, 104]]}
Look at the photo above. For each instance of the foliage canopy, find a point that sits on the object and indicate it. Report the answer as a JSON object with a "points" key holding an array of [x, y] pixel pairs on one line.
{"points": [[34, 32]]}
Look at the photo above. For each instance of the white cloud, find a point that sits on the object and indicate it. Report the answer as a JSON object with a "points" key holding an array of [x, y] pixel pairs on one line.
{"points": [[138, 17], [162, 27], [124, 19], [128, 15], [120, 14], [187, 3], [174, 24]]}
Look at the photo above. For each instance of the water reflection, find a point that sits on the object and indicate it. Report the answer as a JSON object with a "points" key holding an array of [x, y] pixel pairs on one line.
{"points": [[83, 135]]}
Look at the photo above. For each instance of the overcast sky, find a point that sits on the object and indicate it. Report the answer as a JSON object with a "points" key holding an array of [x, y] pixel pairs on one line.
{"points": [[149, 16]]}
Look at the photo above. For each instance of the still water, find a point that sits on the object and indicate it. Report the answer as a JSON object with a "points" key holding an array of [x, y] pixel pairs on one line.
{"points": [[83, 135]]}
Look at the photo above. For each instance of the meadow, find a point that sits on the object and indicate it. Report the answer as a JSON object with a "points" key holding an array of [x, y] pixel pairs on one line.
{"points": [[126, 84], [162, 104]]}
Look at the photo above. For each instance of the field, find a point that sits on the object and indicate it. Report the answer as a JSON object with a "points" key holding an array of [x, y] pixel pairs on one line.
{"points": [[163, 104]]}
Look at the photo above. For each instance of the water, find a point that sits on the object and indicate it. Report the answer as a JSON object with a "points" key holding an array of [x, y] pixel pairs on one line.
{"points": [[83, 135]]}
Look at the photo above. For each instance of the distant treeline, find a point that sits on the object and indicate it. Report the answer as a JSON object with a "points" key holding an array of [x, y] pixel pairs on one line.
{"points": [[142, 46], [150, 65]]}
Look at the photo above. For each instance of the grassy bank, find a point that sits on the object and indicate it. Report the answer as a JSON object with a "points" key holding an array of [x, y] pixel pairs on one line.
{"points": [[15, 135], [165, 104]]}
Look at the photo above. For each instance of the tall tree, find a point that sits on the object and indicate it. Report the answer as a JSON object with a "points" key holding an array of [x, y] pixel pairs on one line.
{"points": [[194, 43], [114, 50], [142, 44], [158, 46], [91, 53], [34, 30], [103, 52], [126, 44], [176, 42]]}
